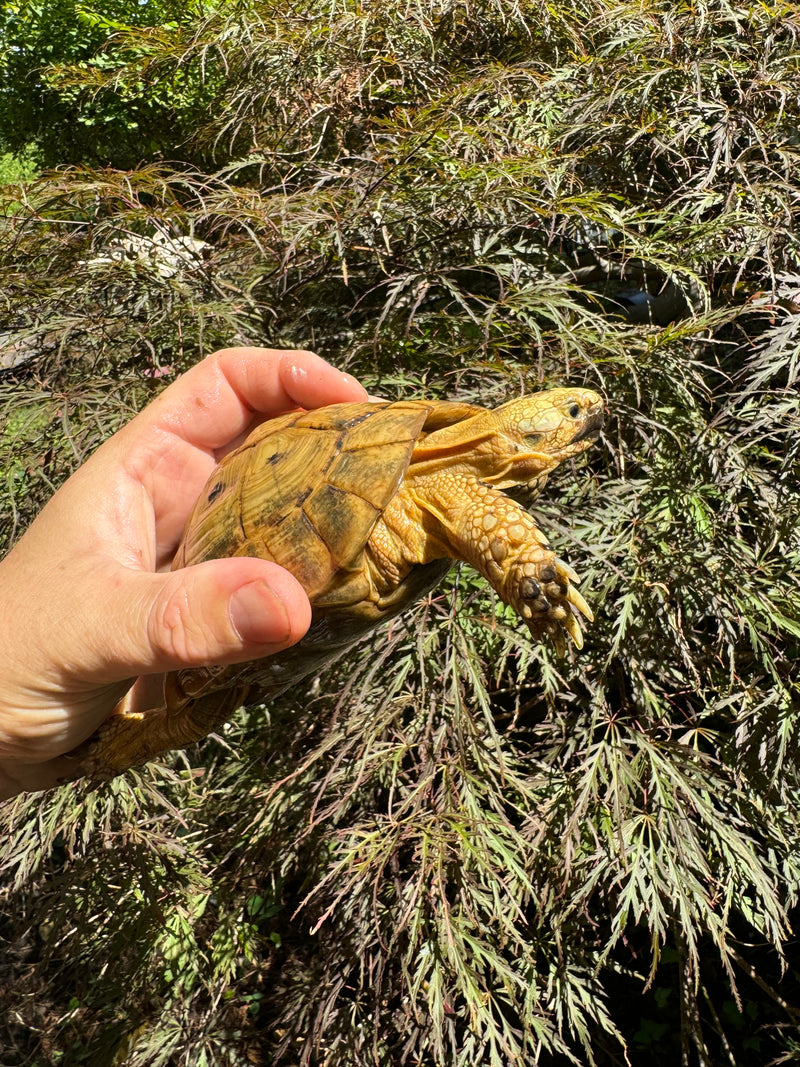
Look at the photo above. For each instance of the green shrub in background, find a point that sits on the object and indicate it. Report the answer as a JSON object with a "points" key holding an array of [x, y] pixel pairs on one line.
{"points": [[16, 168], [454, 848], [53, 56]]}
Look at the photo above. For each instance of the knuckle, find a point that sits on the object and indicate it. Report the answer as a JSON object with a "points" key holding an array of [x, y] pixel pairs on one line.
{"points": [[177, 630]]}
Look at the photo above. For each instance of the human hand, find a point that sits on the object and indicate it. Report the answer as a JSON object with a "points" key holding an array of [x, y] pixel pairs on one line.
{"points": [[88, 600]]}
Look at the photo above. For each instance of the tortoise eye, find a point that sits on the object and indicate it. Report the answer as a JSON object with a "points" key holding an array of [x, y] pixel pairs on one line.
{"points": [[573, 411]]}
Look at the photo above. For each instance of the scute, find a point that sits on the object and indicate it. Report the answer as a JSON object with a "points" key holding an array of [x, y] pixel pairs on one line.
{"points": [[214, 527], [307, 489], [340, 518], [338, 416], [294, 542], [387, 424], [363, 471], [271, 488]]}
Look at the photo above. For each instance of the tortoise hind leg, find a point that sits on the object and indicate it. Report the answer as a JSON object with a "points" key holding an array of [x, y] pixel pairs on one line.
{"points": [[129, 739]]}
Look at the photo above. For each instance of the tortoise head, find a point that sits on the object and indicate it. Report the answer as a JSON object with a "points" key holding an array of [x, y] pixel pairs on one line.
{"points": [[534, 433], [560, 422]]}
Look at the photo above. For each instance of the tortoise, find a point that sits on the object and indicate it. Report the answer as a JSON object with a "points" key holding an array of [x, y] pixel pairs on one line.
{"points": [[368, 504]]}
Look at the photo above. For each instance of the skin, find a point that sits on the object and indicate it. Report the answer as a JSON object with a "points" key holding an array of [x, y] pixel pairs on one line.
{"points": [[89, 601]]}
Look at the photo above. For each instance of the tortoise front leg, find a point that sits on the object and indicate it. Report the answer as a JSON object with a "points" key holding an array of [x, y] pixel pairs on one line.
{"points": [[512, 553], [474, 522]]}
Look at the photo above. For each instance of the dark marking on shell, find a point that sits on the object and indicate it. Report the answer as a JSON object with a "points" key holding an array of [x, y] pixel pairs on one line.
{"points": [[333, 453], [212, 496], [358, 419]]}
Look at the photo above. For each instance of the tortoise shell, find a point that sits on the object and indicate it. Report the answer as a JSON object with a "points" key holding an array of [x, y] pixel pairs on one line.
{"points": [[306, 489]]}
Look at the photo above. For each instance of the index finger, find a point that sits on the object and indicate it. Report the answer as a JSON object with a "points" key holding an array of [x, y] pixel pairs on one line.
{"points": [[217, 399]]}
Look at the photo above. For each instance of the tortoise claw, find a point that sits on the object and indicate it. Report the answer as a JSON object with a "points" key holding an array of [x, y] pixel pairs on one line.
{"points": [[573, 628], [559, 643], [556, 629], [568, 572], [577, 601]]}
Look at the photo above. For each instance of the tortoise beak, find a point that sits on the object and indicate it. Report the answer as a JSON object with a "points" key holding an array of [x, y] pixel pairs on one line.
{"points": [[592, 426]]}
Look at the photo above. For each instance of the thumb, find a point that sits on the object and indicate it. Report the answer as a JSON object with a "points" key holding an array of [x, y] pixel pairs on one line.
{"points": [[217, 612]]}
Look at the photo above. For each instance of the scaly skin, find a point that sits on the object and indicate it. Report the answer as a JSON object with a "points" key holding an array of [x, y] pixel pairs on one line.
{"points": [[449, 505], [491, 532]]}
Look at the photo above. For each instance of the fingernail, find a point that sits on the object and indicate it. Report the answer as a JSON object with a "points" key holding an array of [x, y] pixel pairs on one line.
{"points": [[258, 615]]}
